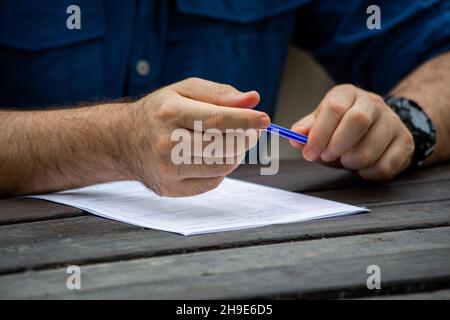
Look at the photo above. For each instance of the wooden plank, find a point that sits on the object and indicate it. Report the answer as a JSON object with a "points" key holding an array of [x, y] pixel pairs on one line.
{"points": [[294, 175], [383, 195], [288, 269], [302, 176], [21, 210], [90, 239]]}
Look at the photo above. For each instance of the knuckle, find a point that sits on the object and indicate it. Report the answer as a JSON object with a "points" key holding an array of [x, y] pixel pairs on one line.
{"points": [[191, 81], [163, 97], [358, 160], [217, 120], [346, 87], [165, 112], [364, 158], [347, 161], [164, 145], [222, 89], [334, 150], [361, 118], [378, 100], [384, 172], [337, 108]]}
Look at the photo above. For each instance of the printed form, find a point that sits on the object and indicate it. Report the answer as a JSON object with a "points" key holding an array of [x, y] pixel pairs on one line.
{"points": [[233, 205]]}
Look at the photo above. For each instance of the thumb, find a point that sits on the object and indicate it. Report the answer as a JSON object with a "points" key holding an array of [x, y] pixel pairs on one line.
{"points": [[302, 126], [216, 93]]}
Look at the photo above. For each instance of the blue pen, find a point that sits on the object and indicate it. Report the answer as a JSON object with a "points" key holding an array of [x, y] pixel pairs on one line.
{"points": [[286, 133]]}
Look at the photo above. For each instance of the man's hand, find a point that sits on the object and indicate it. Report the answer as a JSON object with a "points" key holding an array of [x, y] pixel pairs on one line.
{"points": [[157, 116], [53, 150], [358, 129]]}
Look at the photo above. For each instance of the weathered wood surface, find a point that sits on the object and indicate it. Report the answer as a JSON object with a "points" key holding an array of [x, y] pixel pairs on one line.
{"points": [[285, 270], [90, 239], [38, 239], [296, 175], [28, 210]]}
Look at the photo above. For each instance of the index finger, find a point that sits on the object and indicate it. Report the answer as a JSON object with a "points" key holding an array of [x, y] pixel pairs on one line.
{"points": [[218, 117], [216, 93], [332, 108]]}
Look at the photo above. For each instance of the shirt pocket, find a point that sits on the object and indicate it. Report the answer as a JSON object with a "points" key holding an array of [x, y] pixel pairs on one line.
{"points": [[43, 63], [225, 18]]}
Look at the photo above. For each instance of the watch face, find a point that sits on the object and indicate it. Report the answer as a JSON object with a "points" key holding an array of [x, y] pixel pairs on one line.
{"points": [[420, 120]]}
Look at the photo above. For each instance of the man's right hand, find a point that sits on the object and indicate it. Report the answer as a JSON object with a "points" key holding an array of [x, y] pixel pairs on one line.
{"points": [[53, 150], [155, 117]]}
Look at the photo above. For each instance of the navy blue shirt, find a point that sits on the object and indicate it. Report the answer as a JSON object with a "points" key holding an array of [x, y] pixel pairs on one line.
{"points": [[129, 48]]}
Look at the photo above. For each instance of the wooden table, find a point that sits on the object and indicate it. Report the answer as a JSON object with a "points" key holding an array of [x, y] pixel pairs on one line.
{"points": [[407, 235]]}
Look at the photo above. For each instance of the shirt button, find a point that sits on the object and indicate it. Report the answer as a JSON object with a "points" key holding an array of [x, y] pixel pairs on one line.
{"points": [[143, 68]]}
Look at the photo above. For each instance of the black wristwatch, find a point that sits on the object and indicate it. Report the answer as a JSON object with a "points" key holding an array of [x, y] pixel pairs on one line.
{"points": [[420, 125]]}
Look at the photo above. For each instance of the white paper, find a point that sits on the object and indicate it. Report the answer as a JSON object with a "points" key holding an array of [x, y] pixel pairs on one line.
{"points": [[233, 205]]}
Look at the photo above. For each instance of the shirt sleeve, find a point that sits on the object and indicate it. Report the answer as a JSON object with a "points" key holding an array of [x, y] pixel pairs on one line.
{"points": [[336, 34]]}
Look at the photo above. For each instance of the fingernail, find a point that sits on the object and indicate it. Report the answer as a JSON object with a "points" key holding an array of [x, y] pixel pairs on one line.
{"points": [[300, 129], [295, 144], [311, 154], [327, 156], [248, 93], [264, 122]]}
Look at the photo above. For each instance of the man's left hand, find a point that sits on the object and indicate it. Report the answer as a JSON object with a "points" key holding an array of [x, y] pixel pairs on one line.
{"points": [[357, 128]]}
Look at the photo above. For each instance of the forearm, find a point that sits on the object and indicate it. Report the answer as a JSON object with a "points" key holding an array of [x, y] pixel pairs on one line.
{"points": [[44, 151], [429, 86]]}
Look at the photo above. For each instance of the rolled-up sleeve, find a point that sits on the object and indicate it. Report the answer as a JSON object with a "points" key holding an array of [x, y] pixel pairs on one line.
{"points": [[336, 34]]}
